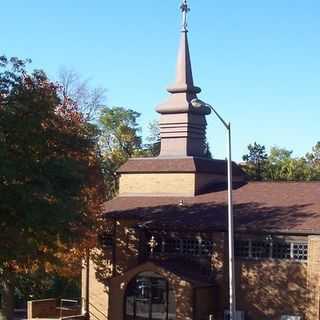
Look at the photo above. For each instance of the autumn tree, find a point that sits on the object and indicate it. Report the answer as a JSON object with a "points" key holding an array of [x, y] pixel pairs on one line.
{"points": [[50, 181]]}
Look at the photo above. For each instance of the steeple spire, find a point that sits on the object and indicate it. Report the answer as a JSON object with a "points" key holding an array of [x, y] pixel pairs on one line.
{"points": [[183, 89], [182, 127]]}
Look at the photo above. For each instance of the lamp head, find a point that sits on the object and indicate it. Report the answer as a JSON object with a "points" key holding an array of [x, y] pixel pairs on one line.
{"points": [[197, 103]]}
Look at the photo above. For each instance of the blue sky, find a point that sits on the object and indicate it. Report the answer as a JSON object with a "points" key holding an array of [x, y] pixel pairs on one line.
{"points": [[258, 62]]}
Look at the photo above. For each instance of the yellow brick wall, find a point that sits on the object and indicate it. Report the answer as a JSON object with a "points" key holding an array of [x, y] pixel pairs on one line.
{"points": [[269, 288], [98, 297], [266, 289], [157, 184], [314, 276]]}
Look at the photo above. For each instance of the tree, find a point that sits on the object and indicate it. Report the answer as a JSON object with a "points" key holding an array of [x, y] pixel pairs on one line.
{"points": [[314, 156], [50, 181], [120, 139], [88, 100], [281, 166], [255, 159], [152, 147], [313, 159]]}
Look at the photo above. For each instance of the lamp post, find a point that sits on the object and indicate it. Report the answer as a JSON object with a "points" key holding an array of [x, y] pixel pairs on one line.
{"points": [[196, 103]]}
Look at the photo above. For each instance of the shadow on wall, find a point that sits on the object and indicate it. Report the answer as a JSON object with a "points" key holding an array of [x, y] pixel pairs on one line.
{"points": [[270, 289], [266, 289], [127, 227]]}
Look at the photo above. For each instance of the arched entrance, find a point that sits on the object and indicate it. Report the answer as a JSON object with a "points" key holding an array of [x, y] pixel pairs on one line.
{"points": [[149, 297]]}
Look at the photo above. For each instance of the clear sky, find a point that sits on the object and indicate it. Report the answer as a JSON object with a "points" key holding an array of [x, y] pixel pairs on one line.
{"points": [[258, 62]]}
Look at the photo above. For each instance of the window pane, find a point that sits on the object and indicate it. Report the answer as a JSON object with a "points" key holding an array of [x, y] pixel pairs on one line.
{"points": [[190, 247], [300, 251], [130, 308], [147, 298], [142, 309], [206, 247], [159, 298], [260, 249], [172, 305], [281, 250], [241, 248], [172, 246]]}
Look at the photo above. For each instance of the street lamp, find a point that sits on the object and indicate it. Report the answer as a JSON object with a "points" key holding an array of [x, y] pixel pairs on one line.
{"points": [[196, 103]]}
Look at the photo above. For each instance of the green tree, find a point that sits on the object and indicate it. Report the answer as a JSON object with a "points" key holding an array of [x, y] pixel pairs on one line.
{"points": [[120, 139], [255, 161], [281, 166], [313, 159], [152, 147], [314, 155], [50, 182]]}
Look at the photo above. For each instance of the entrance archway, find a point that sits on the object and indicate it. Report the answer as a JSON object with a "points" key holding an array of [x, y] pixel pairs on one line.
{"points": [[149, 297]]}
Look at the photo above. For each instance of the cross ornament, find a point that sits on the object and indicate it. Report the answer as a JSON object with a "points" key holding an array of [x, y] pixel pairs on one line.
{"points": [[152, 244], [184, 9]]}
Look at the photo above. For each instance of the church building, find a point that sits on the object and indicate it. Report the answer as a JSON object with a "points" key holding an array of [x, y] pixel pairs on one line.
{"points": [[165, 243]]}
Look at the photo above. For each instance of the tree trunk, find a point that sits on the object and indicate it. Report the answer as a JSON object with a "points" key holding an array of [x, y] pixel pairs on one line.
{"points": [[7, 296]]}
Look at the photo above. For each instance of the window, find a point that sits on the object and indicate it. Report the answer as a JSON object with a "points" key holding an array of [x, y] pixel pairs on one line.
{"points": [[260, 249], [106, 240], [272, 248], [206, 247], [281, 250], [242, 248], [149, 297], [193, 247], [300, 251], [171, 246], [190, 247]]}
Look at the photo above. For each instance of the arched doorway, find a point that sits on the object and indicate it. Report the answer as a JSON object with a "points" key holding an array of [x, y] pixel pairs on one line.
{"points": [[149, 297]]}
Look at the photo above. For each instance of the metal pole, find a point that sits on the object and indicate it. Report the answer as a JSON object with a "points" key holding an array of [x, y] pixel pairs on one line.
{"points": [[232, 290], [232, 295]]}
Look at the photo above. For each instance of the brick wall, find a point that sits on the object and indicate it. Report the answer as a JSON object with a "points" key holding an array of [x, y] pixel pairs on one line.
{"points": [[266, 289], [157, 183]]}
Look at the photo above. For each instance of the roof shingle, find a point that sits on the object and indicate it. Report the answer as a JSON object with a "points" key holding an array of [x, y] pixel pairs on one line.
{"points": [[258, 206]]}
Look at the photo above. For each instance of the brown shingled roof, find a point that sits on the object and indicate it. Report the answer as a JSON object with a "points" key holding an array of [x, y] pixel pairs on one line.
{"points": [[184, 164], [258, 206]]}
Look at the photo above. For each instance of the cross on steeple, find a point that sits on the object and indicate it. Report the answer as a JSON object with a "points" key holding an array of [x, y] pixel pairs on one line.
{"points": [[184, 9]]}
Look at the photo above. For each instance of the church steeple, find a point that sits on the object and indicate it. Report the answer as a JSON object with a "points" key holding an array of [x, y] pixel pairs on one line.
{"points": [[182, 127], [181, 168]]}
